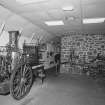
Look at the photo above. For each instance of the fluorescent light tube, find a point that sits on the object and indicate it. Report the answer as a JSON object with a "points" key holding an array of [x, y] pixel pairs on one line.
{"points": [[54, 23], [29, 1], [68, 8], [93, 20]]}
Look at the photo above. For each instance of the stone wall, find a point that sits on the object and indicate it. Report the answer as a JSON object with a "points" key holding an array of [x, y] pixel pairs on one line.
{"points": [[82, 45]]}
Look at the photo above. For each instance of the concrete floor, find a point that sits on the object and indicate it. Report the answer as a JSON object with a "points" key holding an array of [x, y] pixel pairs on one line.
{"points": [[65, 89]]}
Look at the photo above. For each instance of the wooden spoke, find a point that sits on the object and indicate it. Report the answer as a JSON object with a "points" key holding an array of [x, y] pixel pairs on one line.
{"points": [[23, 89], [24, 69], [21, 70], [17, 92]]}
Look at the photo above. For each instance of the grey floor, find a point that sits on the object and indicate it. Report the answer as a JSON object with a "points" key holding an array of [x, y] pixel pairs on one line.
{"points": [[65, 89]]}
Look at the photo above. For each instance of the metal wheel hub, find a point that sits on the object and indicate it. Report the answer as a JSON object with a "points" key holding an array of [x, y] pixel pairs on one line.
{"points": [[23, 80]]}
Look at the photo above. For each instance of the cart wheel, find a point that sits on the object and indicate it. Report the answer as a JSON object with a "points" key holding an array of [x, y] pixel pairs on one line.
{"points": [[21, 82]]}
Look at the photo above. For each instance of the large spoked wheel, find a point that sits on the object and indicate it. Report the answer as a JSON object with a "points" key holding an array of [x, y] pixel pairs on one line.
{"points": [[21, 82]]}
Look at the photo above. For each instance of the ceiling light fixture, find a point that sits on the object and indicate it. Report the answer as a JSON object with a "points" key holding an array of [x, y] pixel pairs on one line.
{"points": [[54, 23], [29, 1], [68, 8], [93, 20]]}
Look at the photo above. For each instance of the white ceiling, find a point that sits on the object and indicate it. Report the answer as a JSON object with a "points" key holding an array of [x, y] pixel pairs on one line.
{"points": [[32, 17]]}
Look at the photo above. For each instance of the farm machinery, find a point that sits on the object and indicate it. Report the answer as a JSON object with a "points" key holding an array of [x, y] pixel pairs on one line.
{"points": [[18, 67]]}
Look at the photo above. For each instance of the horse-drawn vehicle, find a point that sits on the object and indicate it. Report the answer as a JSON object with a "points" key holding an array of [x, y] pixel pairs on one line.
{"points": [[18, 67]]}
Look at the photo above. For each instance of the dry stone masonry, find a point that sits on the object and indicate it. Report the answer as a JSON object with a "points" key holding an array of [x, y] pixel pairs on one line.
{"points": [[82, 45]]}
